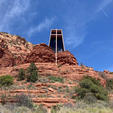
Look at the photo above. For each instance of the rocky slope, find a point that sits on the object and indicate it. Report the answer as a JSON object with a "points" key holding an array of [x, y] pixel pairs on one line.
{"points": [[19, 51], [16, 53], [44, 91], [16, 44], [6, 58], [13, 49]]}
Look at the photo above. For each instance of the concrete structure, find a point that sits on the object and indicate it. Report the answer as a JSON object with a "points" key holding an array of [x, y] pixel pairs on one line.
{"points": [[56, 41]]}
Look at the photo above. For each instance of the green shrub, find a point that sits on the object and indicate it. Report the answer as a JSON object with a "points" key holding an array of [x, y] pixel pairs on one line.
{"points": [[79, 107], [23, 100], [87, 109], [6, 80], [56, 108], [111, 72], [41, 109], [21, 109], [56, 79], [92, 79], [111, 104], [81, 92], [32, 73], [109, 84], [21, 74], [92, 86], [3, 99], [89, 98]]}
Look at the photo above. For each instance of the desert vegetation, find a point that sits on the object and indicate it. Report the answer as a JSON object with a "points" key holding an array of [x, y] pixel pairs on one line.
{"points": [[87, 95], [83, 107], [30, 74], [91, 88], [79, 107], [21, 74], [14, 108], [6, 80], [54, 79], [109, 84]]}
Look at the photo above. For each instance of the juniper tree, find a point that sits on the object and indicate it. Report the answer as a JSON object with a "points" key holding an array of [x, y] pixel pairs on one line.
{"points": [[32, 73]]}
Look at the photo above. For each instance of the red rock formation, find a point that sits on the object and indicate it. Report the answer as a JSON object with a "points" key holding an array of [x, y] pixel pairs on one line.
{"points": [[24, 52], [15, 50], [16, 45], [40, 53], [66, 58], [6, 58]]}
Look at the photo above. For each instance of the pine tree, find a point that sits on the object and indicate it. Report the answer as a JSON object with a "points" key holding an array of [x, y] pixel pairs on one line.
{"points": [[21, 75], [32, 73]]}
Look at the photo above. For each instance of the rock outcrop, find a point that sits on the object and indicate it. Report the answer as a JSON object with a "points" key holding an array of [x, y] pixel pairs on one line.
{"points": [[23, 52], [16, 45], [17, 53], [6, 58], [66, 58], [40, 53]]}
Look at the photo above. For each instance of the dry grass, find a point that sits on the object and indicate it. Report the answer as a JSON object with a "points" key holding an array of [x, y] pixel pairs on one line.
{"points": [[86, 110], [80, 107]]}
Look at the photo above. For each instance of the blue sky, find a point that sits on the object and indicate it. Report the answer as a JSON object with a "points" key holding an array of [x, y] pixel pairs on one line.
{"points": [[87, 26]]}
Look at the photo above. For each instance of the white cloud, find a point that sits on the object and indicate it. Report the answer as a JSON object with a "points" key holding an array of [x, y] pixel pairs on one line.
{"points": [[12, 11], [15, 12], [77, 22], [19, 7], [43, 25], [103, 4], [1, 1], [74, 36]]}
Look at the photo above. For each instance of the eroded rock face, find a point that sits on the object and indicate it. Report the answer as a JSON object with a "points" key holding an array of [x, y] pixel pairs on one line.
{"points": [[23, 52], [40, 53], [17, 45], [66, 58], [6, 58]]}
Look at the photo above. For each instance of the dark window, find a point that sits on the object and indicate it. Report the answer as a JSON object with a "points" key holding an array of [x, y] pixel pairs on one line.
{"points": [[53, 43], [60, 44], [58, 31], [53, 32]]}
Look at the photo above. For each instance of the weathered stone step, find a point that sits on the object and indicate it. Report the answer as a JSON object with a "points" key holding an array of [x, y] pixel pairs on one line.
{"points": [[56, 84], [23, 91], [48, 102]]}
